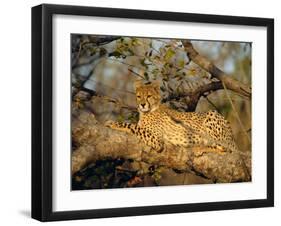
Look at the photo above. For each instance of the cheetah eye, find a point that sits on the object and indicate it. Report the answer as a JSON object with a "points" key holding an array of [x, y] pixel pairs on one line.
{"points": [[149, 96], [138, 96]]}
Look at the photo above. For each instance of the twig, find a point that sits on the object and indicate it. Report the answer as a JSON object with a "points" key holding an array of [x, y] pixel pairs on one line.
{"points": [[210, 102], [236, 113], [201, 91], [229, 82], [135, 73]]}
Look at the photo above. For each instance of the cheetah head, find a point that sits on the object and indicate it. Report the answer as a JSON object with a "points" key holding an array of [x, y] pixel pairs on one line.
{"points": [[148, 96]]}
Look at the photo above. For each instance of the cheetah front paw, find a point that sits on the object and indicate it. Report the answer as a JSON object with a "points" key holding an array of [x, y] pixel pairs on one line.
{"points": [[110, 124]]}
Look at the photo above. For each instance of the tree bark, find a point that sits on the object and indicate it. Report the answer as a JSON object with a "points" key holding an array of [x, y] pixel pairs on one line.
{"points": [[93, 141]]}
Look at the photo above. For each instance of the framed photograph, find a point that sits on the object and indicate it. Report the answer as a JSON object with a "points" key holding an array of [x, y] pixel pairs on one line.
{"points": [[146, 112]]}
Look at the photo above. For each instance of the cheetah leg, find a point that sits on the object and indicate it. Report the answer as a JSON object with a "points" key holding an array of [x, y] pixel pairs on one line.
{"points": [[155, 143], [121, 126], [143, 134]]}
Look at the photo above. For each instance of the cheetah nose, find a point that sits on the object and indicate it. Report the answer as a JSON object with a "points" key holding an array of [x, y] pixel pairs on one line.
{"points": [[143, 105]]}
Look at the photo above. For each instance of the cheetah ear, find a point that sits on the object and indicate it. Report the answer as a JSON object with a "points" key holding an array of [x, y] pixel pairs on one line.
{"points": [[156, 85], [138, 83]]}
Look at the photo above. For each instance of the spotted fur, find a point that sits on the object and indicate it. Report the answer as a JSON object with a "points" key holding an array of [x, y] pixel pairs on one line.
{"points": [[159, 124]]}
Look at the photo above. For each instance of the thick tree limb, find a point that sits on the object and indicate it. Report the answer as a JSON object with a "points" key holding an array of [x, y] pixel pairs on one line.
{"points": [[93, 142], [196, 94], [229, 82]]}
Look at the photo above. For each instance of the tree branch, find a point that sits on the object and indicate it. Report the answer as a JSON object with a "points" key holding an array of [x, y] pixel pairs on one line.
{"points": [[195, 95], [229, 82], [191, 105], [93, 142], [213, 86]]}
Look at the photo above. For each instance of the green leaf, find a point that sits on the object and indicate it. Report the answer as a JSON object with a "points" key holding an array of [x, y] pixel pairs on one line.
{"points": [[135, 42], [169, 54], [155, 71], [181, 63], [120, 118]]}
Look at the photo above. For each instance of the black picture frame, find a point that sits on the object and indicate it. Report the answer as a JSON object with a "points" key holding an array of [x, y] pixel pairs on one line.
{"points": [[42, 107]]}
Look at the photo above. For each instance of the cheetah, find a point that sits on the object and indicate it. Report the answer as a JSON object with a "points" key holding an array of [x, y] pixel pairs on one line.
{"points": [[159, 124]]}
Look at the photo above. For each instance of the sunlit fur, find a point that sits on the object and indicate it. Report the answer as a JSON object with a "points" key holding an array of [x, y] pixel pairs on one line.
{"points": [[158, 124]]}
